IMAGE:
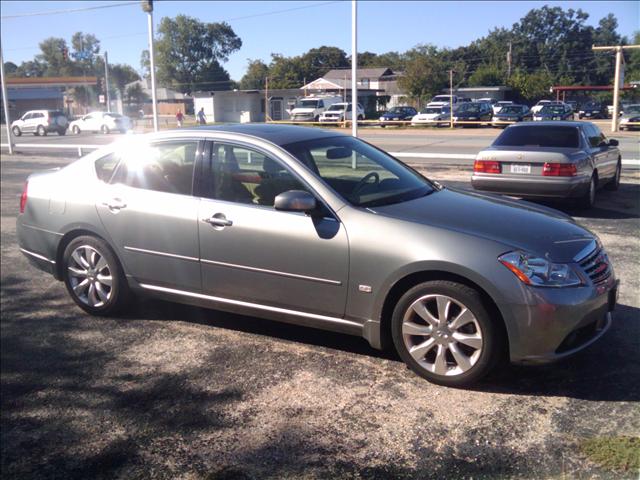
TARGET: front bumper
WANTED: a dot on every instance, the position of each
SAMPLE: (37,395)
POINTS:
(530,186)
(560,322)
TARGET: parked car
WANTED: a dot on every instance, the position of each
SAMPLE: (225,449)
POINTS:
(554,112)
(511,114)
(573,104)
(309,109)
(441,100)
(592,110)
(285,223)
(104,122)
(496,107)
(549,160)
(40,122)
(432,116)
(339,112)
(631,115)
(473,112)
(542,103)
(397,114)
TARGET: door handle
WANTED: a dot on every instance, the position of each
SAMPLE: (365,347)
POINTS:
(218,220)
(114,204)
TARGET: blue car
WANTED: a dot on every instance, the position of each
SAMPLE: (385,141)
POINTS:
(397,114)
(511,114)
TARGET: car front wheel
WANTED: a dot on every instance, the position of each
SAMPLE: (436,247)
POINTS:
(41,131)
(16,131)
(443,332)
(93,276)
(104,129)
(76,130)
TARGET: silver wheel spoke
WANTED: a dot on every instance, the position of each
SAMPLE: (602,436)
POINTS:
(422,311)
(105,279)
(91,295)
(461,359)
(104,296)
(81,287)
(410,328)
(419,351)
(80,260)
(463,318)
(443,309)
(440,365)
(76,272)
(102,263)
(93,258)
(473,340)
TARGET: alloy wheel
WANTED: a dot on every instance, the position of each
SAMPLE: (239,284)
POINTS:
(442,335)
(90,276)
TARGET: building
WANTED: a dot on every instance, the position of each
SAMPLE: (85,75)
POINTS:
(169,101)
(244,106)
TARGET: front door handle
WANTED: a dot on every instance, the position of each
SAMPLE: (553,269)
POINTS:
(115,204)
(218,220)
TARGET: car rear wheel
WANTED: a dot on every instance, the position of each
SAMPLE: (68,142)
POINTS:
(62,132)
(16,131)
(443,332)
(41,131)
(76,130)
(588,200)
(104,129)
(614,183)
(93,276)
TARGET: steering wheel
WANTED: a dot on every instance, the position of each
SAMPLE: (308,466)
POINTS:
(364,180)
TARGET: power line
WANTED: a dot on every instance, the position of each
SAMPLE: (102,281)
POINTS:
(281,11)
(69,10)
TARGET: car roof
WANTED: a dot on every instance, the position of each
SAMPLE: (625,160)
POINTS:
(551,123)
(277,134)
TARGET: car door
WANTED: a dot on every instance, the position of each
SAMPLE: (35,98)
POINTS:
(598,152)
(610,160)
(26,125)
(254,253)
(151,215)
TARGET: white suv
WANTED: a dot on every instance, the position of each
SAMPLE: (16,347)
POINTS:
(104,122)
(337,113)
(40,122)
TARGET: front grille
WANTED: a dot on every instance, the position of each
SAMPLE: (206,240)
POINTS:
(597,266)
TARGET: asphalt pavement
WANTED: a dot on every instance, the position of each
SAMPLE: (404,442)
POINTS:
(170,391)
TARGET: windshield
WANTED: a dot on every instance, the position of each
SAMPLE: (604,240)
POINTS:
(113,115)
(469,107)
(539,136)
(632,109)
(511,109)
(592,105)
(441,98)
(307,104)
(397,110)
(360,173)
(336,107)
(432,110)
(553,109)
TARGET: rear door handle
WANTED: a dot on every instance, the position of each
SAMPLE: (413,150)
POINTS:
(218,220)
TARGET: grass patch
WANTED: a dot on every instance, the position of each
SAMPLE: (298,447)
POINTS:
(617,453)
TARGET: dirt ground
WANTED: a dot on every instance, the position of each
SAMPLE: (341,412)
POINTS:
(170,391)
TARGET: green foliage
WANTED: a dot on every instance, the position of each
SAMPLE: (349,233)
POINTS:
(135,95)
(632,69)
(52,57)
(616,453)
(531,87)
(425,74)
(190,52)
(10,68)
(257,71)
(293,72)
(122,74)
(486,75)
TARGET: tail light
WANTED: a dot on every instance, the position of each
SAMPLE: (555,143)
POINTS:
(23,197)
(559,170)
(483,166)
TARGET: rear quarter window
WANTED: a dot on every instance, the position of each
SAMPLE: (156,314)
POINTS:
(105,166)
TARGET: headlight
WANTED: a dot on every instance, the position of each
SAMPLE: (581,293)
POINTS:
(538,271)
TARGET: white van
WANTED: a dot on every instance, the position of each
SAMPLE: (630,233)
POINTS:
(442,100)
(309,109)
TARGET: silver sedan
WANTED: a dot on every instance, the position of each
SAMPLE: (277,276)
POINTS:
(310,227)
(549,160)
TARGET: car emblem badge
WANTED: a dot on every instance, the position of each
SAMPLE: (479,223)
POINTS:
(364,288)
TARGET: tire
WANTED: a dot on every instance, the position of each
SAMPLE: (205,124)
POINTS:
(316,118)
(16,131)
(104,129)
(89,260)
(441,357)
(76,130)
(360,117)
(41,131)
(614,183)
(588,200)
(62,132)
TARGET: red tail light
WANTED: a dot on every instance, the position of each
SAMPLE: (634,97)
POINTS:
(23,197)
(559,170)
(483,166)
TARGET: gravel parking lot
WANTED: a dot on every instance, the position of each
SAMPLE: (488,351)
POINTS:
(171,391)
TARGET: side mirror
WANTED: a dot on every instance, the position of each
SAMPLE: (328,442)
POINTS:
(613,142)
(295,201)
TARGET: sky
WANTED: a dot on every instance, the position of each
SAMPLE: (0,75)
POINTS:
(289,27)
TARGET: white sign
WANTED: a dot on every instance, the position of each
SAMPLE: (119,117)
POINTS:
(101,98)
(622,75)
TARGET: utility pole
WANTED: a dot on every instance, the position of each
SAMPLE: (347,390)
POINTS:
(5,103)
(616,81)
(509,59)
(451,99)
(147,6)
(266,100)
(106,80)
(354,70)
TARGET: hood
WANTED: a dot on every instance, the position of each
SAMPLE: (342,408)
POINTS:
(469,114)
(303,110)
(393,115)
(513,223)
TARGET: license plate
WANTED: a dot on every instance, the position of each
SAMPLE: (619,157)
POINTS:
(520,168)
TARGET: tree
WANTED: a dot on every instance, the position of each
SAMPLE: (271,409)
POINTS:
(425,74)
(318,61)
(145,64)
(135,95)
(10,68)
(52,57)
(531,87)
(486,76)
(257,71)
(286,72)
(31,68)
(122,74)
(632,69)
(189,53)
(85,48)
